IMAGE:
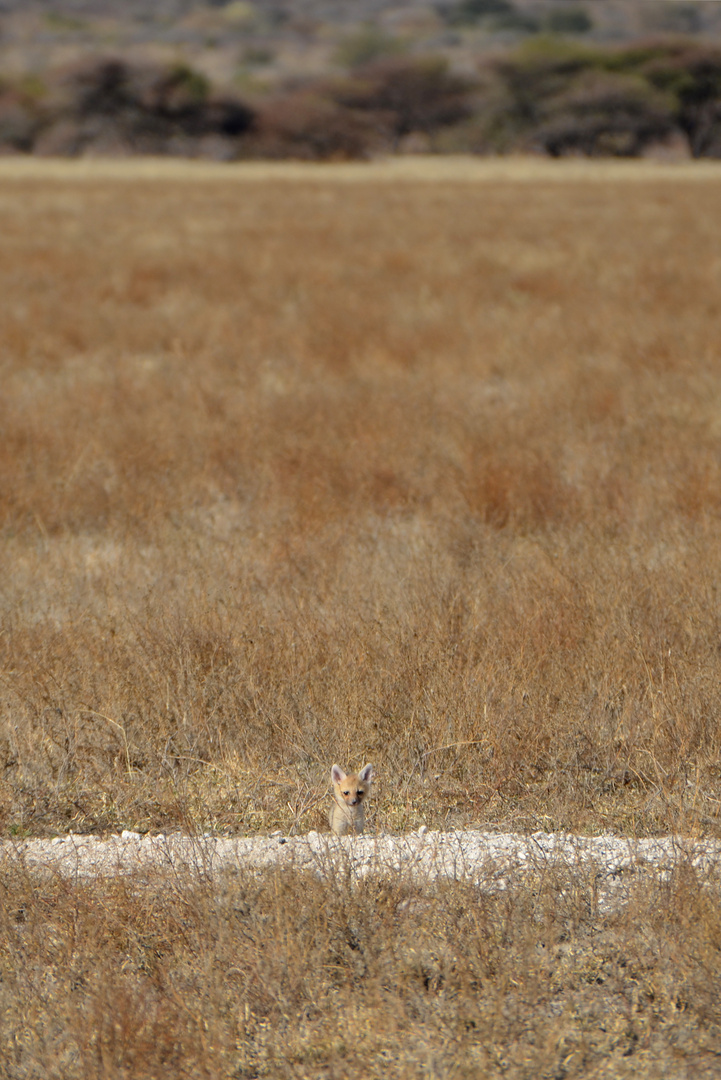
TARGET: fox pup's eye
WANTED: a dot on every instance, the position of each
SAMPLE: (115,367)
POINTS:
(346,793)
(360,794)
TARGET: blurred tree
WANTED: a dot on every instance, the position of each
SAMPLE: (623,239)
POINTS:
(19,119)
(565,98)
(306,124)
(568,20)
(137,108)
(692,74)
(366,45)
(469,12)
(672,18)
(603,113)
(517,21)
(408,95)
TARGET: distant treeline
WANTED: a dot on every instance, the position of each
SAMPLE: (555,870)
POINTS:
(549,96)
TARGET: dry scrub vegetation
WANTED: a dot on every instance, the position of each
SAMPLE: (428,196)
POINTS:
(425,474)
(237,978)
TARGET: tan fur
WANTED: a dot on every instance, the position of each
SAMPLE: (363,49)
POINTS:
(349,794)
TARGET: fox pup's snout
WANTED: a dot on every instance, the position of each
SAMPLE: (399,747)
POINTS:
(349,793)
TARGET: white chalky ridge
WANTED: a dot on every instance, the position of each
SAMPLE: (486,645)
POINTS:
(493,860)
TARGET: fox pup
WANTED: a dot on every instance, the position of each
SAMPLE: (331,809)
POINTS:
(349,794)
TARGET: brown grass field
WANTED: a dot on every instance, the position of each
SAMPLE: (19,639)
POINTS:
(424,473)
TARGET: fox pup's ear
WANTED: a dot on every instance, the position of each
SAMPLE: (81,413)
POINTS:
(337,775)
(366,774)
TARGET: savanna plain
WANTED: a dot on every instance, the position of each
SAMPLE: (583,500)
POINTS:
(423,473)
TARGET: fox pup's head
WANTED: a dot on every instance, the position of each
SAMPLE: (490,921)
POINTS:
(351,789)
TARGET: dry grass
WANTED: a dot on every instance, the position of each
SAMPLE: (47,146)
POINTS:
(381,978)
(422,474)
(433,168)
(425,475)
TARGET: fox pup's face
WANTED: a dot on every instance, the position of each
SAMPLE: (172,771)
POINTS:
(353,788)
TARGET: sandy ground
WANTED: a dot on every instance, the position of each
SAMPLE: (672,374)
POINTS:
(494,860)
